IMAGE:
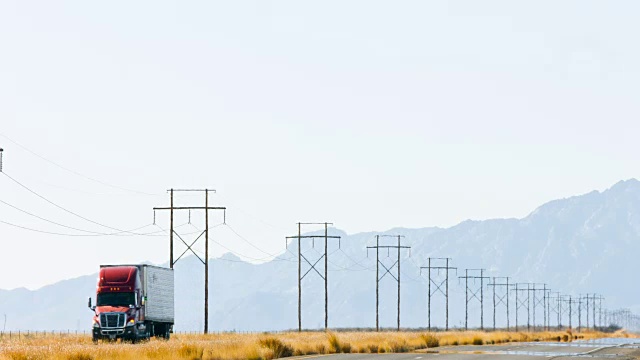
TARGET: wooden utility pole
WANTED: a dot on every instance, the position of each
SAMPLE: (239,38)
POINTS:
(388,271)
(301,257)
(474,294)
(205,232)
(171,232)
(437,287)
(521,303)
(500,299)
(539,301)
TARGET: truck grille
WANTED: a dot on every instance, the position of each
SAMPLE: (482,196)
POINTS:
(112,320)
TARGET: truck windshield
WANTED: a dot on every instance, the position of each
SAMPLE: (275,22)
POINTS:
(115,299)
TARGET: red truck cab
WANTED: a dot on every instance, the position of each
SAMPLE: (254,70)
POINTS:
(133,302)
(118,301)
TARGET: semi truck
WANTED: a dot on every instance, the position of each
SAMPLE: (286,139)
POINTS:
(133,302)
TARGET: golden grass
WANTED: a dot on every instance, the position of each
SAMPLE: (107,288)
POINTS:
(260,346)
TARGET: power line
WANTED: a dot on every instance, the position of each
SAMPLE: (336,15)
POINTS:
(247,241)
(66,234)
(277,258)
(75,172)
(95,233)
(65,209)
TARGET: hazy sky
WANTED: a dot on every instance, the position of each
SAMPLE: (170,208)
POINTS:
(370,114)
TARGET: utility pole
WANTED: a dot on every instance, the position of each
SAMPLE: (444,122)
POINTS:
(548,295)
(600,300)
(1,151)
(205,232)
(571,301)
(579,302)
(554,303)
(502,299)
(523,303)
(593,305)
(538,301)
(438,286)
(388,271)
(568,302)
(324,277)
(474,294)
(587,306)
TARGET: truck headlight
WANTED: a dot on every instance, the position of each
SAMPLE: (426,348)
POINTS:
(96,324)
(131,322)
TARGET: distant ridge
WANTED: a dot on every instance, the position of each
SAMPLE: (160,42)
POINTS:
(586,243)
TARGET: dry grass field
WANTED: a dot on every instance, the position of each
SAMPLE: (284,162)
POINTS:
(258,346)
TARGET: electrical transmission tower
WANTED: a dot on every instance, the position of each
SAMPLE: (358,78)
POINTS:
(539,301)
(205,232)
(587,297)
(572,302)
(567,308)
(554,301)
(476,293)
(438,283)
(502,298)
(548,295)
(591,306)
(324,277)
(600,299)
(523,303)
(388,271)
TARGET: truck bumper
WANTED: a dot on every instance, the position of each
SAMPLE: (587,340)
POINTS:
(114,333)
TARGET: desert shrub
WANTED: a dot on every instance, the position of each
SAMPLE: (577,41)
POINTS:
(373,348)
(399,347)
(277,347)
(334,342)
(477,340)
(455,343)
(17,355)
(79,356)
(189,351)
(430,340)
(345,348)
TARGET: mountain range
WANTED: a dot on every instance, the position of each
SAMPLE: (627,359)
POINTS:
(577,245)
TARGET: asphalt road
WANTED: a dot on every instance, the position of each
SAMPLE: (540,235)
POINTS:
(621,349)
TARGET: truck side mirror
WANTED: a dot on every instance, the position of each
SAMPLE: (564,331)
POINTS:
(89,303)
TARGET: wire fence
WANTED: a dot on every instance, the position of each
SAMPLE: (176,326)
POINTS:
(29,334)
